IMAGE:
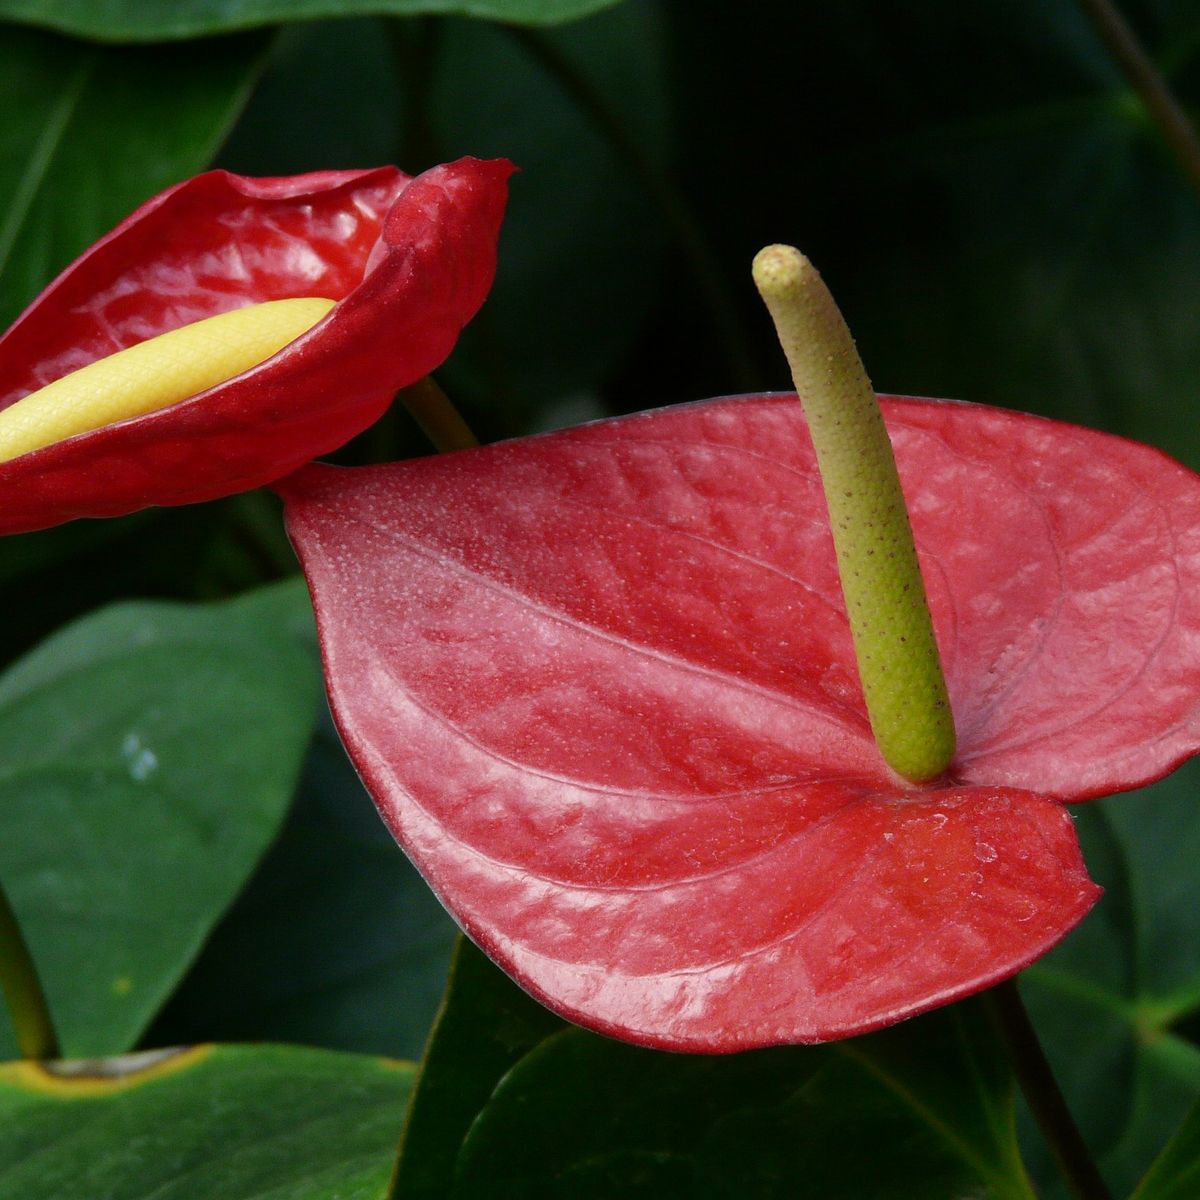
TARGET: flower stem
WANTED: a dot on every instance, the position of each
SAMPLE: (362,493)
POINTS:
(898,662)
(27,1005)
(1147,81)
(439,420)
(1043,1095)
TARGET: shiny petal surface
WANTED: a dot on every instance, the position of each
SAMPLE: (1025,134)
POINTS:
(601,686)
(408,260)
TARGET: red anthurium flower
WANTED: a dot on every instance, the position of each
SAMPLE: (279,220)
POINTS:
(601,685)
(406,263)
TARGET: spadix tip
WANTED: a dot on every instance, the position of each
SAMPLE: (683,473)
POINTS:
(780,269)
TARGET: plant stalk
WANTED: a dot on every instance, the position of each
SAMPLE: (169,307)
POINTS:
(1043,1095)
(439,420)
(27,1005)
(1148,82)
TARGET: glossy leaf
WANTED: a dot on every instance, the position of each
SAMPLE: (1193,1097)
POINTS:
(159,20)
(336,941)
(644,781)
(541,1110)
(149,753)
(210,1123)
(409,261)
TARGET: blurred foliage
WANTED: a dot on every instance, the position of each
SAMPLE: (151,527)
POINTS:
(978,184)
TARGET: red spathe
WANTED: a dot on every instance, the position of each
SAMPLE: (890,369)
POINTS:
(409,261)
(601,686)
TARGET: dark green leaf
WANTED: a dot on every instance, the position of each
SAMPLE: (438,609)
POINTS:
(213,1123)
(1176,1173)
(155,20)
(148,756)
(487,1024)
(582,1116)
(512,1103)
(337,941)
(90,133)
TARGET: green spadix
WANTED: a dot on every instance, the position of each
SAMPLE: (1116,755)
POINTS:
(898,661)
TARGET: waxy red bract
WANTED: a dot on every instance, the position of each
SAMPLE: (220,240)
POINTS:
(601,685)
(409,260)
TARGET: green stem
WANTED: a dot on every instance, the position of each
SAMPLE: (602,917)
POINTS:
(439,420)
(1042,1093)
(1147,81)
(27,1005)
(677,216)
(898,662)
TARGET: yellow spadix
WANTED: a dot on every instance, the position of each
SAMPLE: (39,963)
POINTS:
(155,373)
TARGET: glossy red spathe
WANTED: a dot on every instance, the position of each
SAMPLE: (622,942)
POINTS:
(602,688)
(409,261)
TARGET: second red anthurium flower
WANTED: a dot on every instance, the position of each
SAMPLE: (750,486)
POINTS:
(400,264)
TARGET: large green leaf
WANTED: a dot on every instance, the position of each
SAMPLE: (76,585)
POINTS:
(147,757)
(157,20)
(513,1103)
(584,1117)
(337,941)
(89,133)
(213,1123)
